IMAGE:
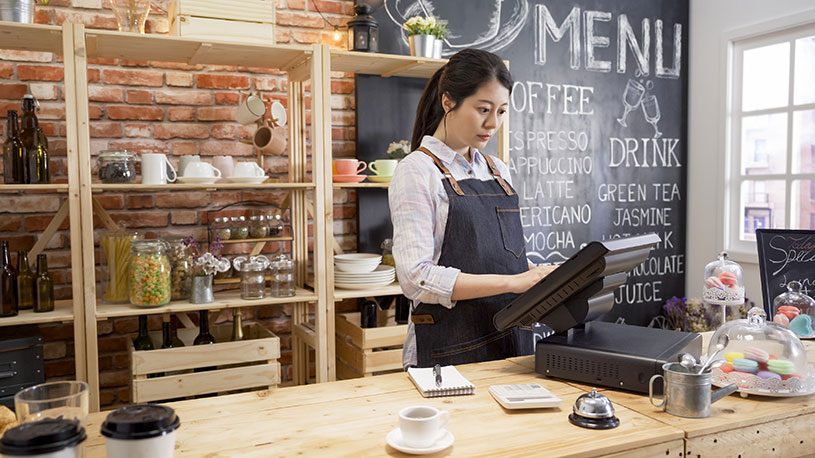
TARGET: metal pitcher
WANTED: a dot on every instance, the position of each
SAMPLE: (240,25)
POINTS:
(687,392)
(17,11)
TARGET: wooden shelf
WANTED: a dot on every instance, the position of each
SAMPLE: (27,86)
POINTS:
(384,64)
(138,187)
(165,48)
(361,185)
(224,300)
(390,290)
(265,239)
(63,311)
(31,37)
(58,187)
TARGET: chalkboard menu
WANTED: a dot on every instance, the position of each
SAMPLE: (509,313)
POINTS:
(598,124)
(784,256)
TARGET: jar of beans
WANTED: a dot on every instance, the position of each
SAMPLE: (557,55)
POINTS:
(240,230)
(257,227)
(150,284)
(219,229)
(180,269)
(275,224)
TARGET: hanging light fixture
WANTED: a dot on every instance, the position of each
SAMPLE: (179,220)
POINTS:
(363,30)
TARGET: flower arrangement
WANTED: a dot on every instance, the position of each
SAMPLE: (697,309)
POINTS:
(692,315)
(205,263)
(399,150)
(419,25)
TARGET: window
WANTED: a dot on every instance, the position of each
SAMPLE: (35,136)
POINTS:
(772,135)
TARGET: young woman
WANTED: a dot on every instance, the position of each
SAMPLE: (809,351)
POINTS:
(457,237)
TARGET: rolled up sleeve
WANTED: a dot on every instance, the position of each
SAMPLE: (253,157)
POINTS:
(413,214)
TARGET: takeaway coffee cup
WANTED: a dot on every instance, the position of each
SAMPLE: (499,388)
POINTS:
(349,166)
(141,431)
(201,169)
(383,167)
(250,110)
(421,426)
(248,169)
(49,438)
(154,169)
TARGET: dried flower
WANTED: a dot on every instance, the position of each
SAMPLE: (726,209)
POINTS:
(693,315)
(419,25)
(206,262)
(400,149)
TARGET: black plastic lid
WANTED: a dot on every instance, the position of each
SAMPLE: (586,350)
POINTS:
(141,421)
(44,436)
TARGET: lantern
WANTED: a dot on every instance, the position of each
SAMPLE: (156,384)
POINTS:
(363,30)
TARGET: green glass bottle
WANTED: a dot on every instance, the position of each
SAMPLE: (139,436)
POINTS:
(43,287)
(13,152)
(177,342)
(143,341)
(34,144)
(25,282)
(8,283)
(166,333)
(204,337)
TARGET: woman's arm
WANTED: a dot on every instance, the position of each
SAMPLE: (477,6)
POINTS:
(472,286)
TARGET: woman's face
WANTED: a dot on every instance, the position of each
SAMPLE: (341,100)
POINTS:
(478,117)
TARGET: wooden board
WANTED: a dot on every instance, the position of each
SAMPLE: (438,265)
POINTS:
(360,185)
(63,312)
(31,37)
(57,187)
(196,383)
(390,290)
(384,64)
(386,334)
(138,187)
(223,30)
(236,10)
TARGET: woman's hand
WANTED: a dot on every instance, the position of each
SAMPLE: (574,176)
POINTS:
(519,283)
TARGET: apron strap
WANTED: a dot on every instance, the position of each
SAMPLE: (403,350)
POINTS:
(444,171)
(497,175)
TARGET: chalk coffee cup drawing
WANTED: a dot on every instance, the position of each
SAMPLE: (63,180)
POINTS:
(225,164)
(156,169)
(185,161)
(141,431)
(349,166)
(270,140)
(248,169)
(383,167)
(422,426)
(250,110)
(201,169)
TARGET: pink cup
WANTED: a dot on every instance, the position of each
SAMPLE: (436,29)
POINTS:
(225,164)
(349,166)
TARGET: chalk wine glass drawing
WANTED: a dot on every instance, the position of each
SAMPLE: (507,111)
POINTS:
(650,108)
(492,31)
(637,95)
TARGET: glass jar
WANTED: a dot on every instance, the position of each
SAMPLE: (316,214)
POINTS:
(282,284)
(275,223)
(220,229)
(253,275)
(257,227)
(116,166)
(180,269)
(387,252)
(724,282)
(149,273)
(116,249)
(240,230)
(226,273)
(795,310)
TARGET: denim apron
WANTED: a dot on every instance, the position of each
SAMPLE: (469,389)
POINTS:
(483,236)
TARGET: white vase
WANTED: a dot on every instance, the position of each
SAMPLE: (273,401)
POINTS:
(422,45)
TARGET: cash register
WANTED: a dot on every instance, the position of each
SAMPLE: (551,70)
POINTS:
(570,300)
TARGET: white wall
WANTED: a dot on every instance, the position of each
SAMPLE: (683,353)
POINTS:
(710,23)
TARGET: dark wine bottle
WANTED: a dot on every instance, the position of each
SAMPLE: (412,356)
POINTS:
(143,341)
(237,325)
(402,309)
(25,282)
(8,283)
(367,316)
(34,144)
(13,152)
(204,337)
(177,343)
(43,287)
(166,333)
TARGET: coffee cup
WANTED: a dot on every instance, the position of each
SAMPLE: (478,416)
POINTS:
(421,426)
(225,164)
(383,167)
(270,140)
(248,169)
(349,166)
(250,110)
(201,169)
(156,169)
(48,438)
(185,160)
(141,431)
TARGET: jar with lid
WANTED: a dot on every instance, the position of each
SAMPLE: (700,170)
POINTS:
(116,249)
(282,284)
(253,275)
(220,229)
(240,230)
(795,310)
(116,166)
(180,269)
(257,227)
(149,273)
(275,223)
(226,273)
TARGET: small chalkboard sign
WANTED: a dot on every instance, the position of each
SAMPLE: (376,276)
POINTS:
(784,256)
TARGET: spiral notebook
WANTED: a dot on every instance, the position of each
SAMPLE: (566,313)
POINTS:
(453,383)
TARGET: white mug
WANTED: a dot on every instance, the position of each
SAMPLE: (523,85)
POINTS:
(225,164)
(383,167)
(250,110)
(248,169)
(154,169)
(201,169)
(185,160)
(421,426)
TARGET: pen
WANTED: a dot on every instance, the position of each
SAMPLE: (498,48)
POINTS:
(437,373)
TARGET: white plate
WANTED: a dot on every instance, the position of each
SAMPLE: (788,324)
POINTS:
(279,113)
(381,269)
(378,281)
(197,180)
(361,286)
(357,257)
(250,180)
(394,439)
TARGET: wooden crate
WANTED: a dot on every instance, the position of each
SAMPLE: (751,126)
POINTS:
(247,21)
(250,363)
(362,352)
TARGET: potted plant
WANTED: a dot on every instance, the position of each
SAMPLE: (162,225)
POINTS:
(398,150)
(205,264)
(426,35)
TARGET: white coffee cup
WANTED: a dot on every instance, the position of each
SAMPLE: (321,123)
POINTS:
(383,167)
(248,169)
(421,426)
(185,160)
(250,110)
(154,169)
(201,169)
(141,431)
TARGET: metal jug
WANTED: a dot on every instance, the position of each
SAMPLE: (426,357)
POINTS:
(687,392)
(17,11)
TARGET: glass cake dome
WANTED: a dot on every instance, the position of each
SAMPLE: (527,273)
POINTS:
(795,310)
(724,282)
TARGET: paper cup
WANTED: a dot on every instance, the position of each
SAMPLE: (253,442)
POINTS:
(49,438)
(141,431)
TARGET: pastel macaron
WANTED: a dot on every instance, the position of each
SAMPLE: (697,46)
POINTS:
(756,354)
(733,355)
(726,368)
(781,366)
(766,375)
(781,320)
(789,376)
(728,279)
(745,365)
(801,325)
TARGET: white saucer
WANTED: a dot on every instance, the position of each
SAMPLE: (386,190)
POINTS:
(394,439)
(197,180)
(380,179)
(250,180)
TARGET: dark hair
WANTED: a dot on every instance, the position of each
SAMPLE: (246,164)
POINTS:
(460,78)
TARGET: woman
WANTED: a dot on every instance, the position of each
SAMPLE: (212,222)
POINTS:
(457,236)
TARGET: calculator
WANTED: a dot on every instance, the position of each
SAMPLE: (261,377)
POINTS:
(524,396)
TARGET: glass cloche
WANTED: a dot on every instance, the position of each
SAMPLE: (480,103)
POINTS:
(724,282)
(761,357)
(795,310)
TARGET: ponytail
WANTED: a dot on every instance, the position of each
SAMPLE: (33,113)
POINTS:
(429,113)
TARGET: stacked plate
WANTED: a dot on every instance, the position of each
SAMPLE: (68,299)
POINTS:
(361,271)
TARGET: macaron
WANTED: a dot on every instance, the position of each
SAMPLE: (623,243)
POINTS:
(801,325)
(789,376)
(729,279)
(781,366)
(781,320)
(733,355)
(714,282)
(726,368)
(789,311)
(745,365)
(766,375)
(756,354)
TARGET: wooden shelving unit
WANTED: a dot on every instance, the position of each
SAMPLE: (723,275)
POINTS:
(63,312)
(264,239)
(360,185)
(138,187)
(34,187)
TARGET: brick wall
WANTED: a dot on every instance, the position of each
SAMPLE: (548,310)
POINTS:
(172,108)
